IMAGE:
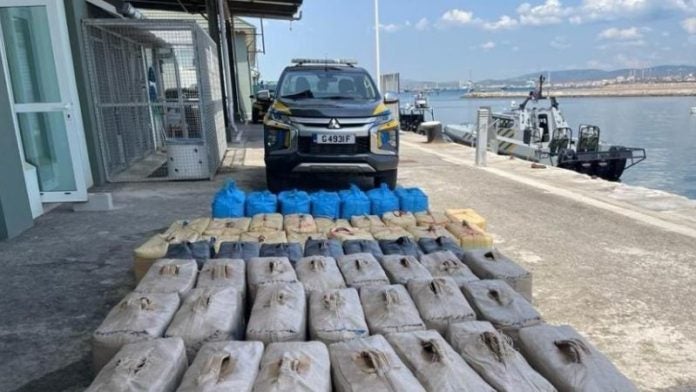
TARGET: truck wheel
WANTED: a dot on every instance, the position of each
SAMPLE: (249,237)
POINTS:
(275,182)
(386,177)
(254,116)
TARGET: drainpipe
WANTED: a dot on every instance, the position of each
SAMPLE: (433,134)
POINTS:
(226,66)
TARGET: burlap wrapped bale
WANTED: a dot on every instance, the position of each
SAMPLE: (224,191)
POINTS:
(264,237)
(367,222)
(136,318)
(391,233)
(470,236)
(268,270)
(362,246)
(224,366)
(239,250)
(401,246)
(349,233)
(324,225)
(295,366)
(224,273)
(266,222)
(279,313)
(153,365)
(299,223)
(227,226)
(403,219)
(491,264)
(400,269)
(569,361)
(208,315)
(497,302)
(302,238)
(336,315)
(169,276)
(319,273)
(327,248)
(490,353)
(370,364)
(441,244)
(447,264)
(293,251)
(435,363)
(390,309)
(440,302)
(362,269)
(431,231)
(430,218)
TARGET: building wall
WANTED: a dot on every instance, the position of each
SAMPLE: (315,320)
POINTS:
(244,80)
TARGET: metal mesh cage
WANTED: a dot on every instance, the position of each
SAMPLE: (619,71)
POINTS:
(157,96)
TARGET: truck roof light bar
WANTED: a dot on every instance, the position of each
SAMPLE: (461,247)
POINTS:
(348,62)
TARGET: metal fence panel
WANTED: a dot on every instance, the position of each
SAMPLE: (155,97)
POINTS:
(158,99)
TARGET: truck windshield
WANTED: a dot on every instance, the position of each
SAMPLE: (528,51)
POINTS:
(327,84)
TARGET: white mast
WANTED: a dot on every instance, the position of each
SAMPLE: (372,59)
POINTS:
(377,65)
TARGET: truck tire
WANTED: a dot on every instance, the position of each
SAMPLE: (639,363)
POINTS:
(254,116)
(386,177)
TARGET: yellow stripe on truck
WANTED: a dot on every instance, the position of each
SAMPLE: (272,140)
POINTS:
(280,107)
(379,109)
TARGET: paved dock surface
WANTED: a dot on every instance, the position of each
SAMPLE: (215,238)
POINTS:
(618,263)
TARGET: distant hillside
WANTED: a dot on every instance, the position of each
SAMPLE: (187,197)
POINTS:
(577,75)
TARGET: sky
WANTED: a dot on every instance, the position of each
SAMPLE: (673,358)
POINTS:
(447,40)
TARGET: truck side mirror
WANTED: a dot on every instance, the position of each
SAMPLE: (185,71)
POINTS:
(390,98)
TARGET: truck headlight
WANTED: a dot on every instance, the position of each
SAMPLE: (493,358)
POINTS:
(278,131)
(385,134)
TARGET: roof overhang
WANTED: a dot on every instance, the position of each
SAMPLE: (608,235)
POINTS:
(269,9)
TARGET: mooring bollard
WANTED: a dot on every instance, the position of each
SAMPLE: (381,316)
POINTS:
(483,116)
(433,131)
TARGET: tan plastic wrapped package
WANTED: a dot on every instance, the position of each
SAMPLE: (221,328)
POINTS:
(445,263)
(301,238)
(435,363)
(153,365)
(569,361)
(440,302)
(390,309)
(431,218)
(198,225)
(295,366)
(279,314)
(497,302)
(491,354)
(227,226)
(208,315)
(299,223)
(459,215)
(470,236)
(266,222)
(336,315)
(391,233)
(324,225)
(431,231)
(367,222)
(224,273)
(403,219)
(224,366)
(136,318)
(401,269)
(370,364)
(346,233)
(169,276)
(362,269)
(268,270)
(154,249)
(264,237)
(319,273)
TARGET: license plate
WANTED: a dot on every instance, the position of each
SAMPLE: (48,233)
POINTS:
(334,139)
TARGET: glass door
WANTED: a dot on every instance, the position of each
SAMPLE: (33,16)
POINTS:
(38,69)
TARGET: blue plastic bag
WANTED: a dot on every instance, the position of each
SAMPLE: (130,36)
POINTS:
(294,202)
(326,204)
(261,203)
(412,199)
(354,202)
(382,200)
(229,202)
